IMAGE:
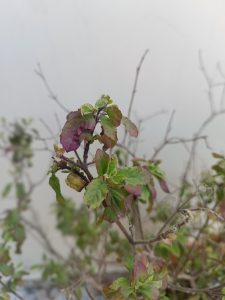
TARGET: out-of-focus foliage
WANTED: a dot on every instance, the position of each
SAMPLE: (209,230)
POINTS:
(123,243)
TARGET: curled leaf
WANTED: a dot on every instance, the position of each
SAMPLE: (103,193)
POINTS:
(164,186)
(55,185)
(133,189)
(74,127)
(130,127)
(75,182)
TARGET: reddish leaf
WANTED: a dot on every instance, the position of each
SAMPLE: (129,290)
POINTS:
(140,267)
(130,127)
(75,125)
(133,189)
(108,143)
(128,201)
(164,185)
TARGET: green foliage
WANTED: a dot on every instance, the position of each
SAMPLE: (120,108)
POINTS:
(55,184)
(96,193)
(118,192)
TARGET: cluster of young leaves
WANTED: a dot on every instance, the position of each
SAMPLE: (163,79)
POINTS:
(144,281)
(114,188)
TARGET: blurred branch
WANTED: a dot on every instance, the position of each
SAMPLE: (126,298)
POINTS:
(134,89)
(51,95)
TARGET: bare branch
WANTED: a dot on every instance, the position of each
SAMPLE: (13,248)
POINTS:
(51,95)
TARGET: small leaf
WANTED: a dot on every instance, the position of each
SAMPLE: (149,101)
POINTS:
(103,101)
(114,114)
(96,193)
(59,151)
(130,127)
(87,109)
(6,190)
(102,161)
(112,166)
(133,189)
(55,184)
(164,185)
(75,182)
(109,215)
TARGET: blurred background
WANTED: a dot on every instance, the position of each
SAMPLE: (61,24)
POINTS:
(89,48)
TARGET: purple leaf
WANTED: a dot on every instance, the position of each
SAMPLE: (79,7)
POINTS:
(133,189)
(140,267)
(164,185)
(153,192)
(128,201)
(75,125)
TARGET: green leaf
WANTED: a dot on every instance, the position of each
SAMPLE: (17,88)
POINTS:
(112,166)
(102,161)
(96,192)
(87,109)
(55,185)
(114,114)
(117,198)
(130,127)
(156,171)
(75,182)
(121,282)
(145,194)
(109,215)
(108,128)
(6,190)
(131,175)
(6,270)
(103,101)
(129,263)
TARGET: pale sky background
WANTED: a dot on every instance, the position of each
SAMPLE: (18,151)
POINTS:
(92,47)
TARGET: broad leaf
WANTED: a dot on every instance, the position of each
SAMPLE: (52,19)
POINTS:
(96,193)
(75,125)
(55,184)
(108,128)
(131,175)
(114,114)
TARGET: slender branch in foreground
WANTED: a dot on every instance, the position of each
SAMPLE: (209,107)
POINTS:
(10,290)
